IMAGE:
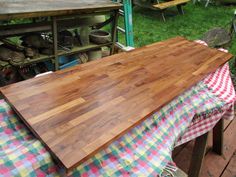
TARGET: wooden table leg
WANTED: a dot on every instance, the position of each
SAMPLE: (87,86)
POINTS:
(218,137)
(114,31)
(180,9)
(163,15)
(55,42)
(199,151)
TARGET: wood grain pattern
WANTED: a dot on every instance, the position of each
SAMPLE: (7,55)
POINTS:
(78,111)
(11,9)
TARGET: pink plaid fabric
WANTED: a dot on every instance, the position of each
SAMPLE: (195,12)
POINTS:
(201,125)
(221,85)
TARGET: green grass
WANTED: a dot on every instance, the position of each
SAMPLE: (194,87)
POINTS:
(149,26)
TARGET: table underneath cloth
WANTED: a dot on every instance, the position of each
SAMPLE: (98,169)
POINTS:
(145,150)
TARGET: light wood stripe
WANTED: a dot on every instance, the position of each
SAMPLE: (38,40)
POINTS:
(96,111)
(55,111)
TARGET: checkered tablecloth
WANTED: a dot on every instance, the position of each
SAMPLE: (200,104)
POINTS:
(144,151)
(220,84)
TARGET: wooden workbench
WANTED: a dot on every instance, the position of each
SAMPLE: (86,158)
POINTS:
(62,14)
(13,9)
(78,111)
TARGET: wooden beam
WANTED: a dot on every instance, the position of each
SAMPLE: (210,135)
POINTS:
(199,151)
(218,137)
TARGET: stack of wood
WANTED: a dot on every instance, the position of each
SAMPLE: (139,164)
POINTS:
(31,46)
(34,44)
(11,52)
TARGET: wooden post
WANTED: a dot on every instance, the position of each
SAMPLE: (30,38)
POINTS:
(54,34)
(163,15)
(218,137)
(114,30)
(199,151)
(180,9)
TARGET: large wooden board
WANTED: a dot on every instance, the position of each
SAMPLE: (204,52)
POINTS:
(78,111)
(10,9)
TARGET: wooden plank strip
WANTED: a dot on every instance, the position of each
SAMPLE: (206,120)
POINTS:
(230,170)
(57,110)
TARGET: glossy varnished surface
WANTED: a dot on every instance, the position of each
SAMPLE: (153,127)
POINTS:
(10,9)
(78,111)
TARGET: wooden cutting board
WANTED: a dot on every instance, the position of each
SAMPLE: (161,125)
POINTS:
(79,111)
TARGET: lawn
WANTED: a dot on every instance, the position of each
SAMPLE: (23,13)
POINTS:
(149,26)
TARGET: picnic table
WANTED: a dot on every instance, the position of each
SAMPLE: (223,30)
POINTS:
(135,132)
(162,5)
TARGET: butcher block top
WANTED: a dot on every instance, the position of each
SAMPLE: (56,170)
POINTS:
(10,9)
(78,111)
